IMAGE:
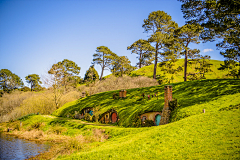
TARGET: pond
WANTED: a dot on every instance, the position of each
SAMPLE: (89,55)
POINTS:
(15,148)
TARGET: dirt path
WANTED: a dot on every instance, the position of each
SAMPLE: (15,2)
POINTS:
(80,121)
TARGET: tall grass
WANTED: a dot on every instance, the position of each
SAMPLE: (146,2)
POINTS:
(9,102)
(115,83)
(178,77)
(21,103)
(191,93)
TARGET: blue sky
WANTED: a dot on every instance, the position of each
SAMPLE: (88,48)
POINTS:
(35,34)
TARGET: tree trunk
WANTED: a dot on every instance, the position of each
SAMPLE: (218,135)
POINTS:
(140,59)
(31,86)
(185,66)
(238,76)
(155,62)
(101,73)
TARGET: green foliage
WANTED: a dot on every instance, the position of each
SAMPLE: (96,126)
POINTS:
(231,107)
(191,134)
(63,71)
(168,67)
(173,104)
(202,66)
(91,74)
(161,26)
(148,123)
(36,125)
(9,80)
(220,19)
(231,67)
(88,117)
(58,129)
(26,117)
(25,89)
(187,94)
(145,51)
(33,80)
(121,65)
(63,74)
(189,33)
(104,58)
(164,77)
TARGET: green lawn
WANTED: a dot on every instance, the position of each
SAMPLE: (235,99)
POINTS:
(215,74)
(191,134)
(195,95)
(212,135)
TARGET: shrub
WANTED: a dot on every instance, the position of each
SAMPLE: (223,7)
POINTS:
(147,123)
(36,125)
(58,129)
(116,83)
(88,117)
(173,104)
(26,116)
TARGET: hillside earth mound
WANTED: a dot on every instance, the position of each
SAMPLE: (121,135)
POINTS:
(193,97)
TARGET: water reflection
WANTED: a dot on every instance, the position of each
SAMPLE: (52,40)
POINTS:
(14,148)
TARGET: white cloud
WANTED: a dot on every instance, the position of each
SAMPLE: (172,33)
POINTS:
(207,50)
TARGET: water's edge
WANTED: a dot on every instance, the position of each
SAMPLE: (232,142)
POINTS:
(16,148)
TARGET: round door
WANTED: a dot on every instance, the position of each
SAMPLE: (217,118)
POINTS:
(157,119)
(114,117)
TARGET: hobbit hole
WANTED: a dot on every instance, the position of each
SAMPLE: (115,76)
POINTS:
(114,117)
(156,117)
(110,116)
(153,116)
(160,118)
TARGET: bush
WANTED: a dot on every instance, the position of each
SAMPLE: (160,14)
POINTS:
(18,104)
(88,117)
(137,123)
(116,83)
(58,129)
(173,104)
(36,125)
(147,123)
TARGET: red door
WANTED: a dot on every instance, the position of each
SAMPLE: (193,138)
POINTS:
(114,117)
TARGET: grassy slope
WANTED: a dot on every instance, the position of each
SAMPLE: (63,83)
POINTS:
(191,135)
(194,135)
(205,136)
(197,95)
(148,71)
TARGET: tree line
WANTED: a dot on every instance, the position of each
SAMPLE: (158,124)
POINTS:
(207,20)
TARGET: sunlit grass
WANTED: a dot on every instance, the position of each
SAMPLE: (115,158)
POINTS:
(205,136)
(191,134)
(178,77)
(188,94)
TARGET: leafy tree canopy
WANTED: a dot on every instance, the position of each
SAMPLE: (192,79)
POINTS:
(91,74)
(189,33)
(62,73)
(145,51)
(161,26)
(122,65)
(220,19)
(33,80)
(104,57)
(9,80)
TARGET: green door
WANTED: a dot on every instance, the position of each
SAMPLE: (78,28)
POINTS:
(157,119)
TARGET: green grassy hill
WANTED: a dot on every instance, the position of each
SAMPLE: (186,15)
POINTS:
(205,136)
(148,71)
(191,134)
(192,97)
